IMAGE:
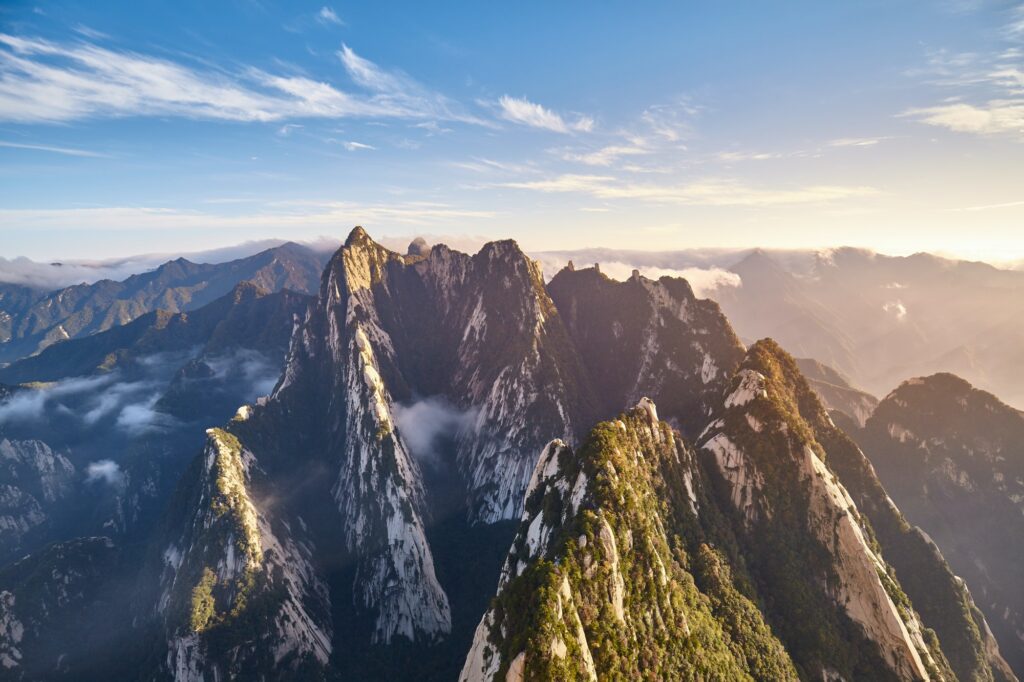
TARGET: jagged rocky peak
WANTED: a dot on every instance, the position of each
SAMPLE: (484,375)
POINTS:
(644,337)
(599,582)
(478,330)
(229,562)
(804,493)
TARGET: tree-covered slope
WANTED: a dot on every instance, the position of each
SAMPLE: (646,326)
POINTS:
(610,578)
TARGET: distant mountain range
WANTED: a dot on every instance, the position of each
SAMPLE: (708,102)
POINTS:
(878,319)
(31,319)
(126,408)
(449,466)
(953,458)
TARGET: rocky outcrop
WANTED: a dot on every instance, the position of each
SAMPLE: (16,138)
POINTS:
(241,575)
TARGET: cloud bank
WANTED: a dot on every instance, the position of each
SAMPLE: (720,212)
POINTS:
(104,471)
(704,281)
(425,424)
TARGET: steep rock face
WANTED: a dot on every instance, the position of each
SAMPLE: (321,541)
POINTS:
(515,365)
(810,493)
(598,583)
(777,480)
(33,478)
(835,391)
(343,355)
(648,338)
(239,595)
(953,458)
(479,330)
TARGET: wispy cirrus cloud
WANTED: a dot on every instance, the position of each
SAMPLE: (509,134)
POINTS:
(856,141)
(607,155)
(47,82)
(327,15)
(989,87)
(398,92)
(354,146)
(711,192)
(524,112)
(66,151)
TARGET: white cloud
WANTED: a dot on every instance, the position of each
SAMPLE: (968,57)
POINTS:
(67,151)
(711,192)
(608,155)
(31,404)
(397,92)
(254,373)
(424,424)
(356,146)
(704,281)
(989,87)
(523,111)
(43,81)
(1014,28)
(106,471)
(141,417)
(671,122)
(896,309)
(326,15)
(991,118)
(856,141)
(747,156)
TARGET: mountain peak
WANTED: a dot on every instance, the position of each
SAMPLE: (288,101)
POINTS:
(246,291)
(358,236)
(503,248)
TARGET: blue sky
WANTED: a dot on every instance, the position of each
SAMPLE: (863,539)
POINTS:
(179,126)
